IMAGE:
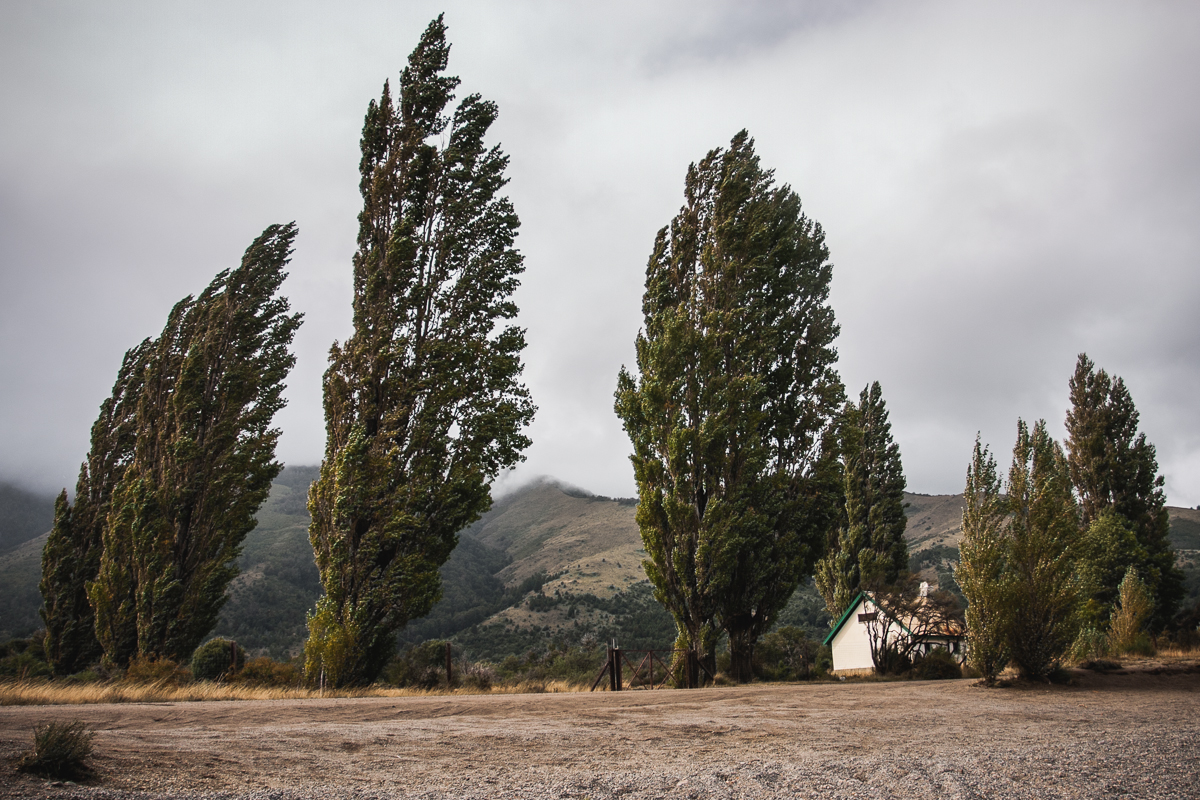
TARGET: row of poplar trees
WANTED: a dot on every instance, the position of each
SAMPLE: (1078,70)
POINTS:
(1070,537)
(423,408)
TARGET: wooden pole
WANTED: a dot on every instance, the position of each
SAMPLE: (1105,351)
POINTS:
(449,668)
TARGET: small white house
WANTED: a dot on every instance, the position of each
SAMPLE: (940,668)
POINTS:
(850,639)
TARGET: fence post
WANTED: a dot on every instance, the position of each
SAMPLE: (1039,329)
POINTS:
(617,665)
(449,668)
(612,671)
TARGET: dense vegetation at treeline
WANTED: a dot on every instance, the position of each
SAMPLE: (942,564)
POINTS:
(753,471)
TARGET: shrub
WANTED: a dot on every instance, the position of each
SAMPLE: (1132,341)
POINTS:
(936,665)
(264,671)
(157,670)
(422,665)
(60,750)
(786,654)
(1090,645)
(217,658)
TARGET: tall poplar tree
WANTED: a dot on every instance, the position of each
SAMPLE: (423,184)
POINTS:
(1115,469)
(1043,589)
(868,549)
(423,404)
(71,557)
(982,565)
(730,413)
(202,459)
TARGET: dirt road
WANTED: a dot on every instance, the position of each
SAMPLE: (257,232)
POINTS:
(1111,736)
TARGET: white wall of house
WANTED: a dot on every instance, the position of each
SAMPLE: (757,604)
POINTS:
(852,644)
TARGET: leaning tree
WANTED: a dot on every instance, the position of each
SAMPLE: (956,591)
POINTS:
(423,403)
(181,458)
(202,462)
(730,412)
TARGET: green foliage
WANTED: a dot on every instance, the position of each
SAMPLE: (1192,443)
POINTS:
(936,665)
(806,609)
(279,583)
(1129,618)
(983,556)
(72,555)
(1115,469)
(60,750)
(265,671)
(787,654)
(156,670)
(1043,591)
(1106,551)
(23,658)
(729,417)
(868,550)
(422,665)
(180,459)
(217,658)
(423,404)
(1090,646)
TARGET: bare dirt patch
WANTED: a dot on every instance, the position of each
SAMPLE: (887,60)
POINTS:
(1113,735)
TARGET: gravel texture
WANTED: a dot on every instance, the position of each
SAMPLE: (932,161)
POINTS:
(1109,736)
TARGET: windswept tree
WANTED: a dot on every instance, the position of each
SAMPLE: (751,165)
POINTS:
(423,404)
(1115,469)
(71,557)
(730,413)
(201,460)
(868,549)
(1044,591)
(982,565)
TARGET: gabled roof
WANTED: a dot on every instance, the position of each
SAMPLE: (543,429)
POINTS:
(849,610)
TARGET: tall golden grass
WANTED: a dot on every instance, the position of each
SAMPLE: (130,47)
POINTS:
(50,693)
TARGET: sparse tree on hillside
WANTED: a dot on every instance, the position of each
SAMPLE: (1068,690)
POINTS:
(71,558)
(982,564)
(868,549)
(423,404)
(729,416)
(1114,467)
(202,459)
(1043,532)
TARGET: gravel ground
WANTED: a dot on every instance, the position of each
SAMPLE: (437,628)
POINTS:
(1109,736)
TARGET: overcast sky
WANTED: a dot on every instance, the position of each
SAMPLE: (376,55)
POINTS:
(1003,185)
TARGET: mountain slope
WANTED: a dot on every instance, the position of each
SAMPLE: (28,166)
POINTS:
(23,515)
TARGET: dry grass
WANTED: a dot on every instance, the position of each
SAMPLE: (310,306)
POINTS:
(49,693)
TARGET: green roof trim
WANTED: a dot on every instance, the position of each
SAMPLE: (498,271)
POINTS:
(842,621)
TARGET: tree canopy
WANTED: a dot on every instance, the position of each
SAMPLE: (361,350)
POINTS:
(182,456)
(868,549)
(731,411)
(423,404)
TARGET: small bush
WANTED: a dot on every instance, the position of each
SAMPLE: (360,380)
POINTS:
(162,671)
(60,750)
(936,665)
(1091,644)
(265,671)
(216,659)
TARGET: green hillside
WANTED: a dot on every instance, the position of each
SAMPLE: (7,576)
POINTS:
(23,515)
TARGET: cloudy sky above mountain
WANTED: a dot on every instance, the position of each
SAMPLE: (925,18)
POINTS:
(1003,185)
